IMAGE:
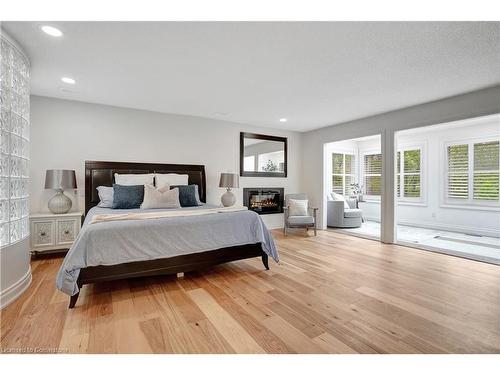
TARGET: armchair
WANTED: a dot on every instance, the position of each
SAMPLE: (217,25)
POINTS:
(343,214)
(295,221)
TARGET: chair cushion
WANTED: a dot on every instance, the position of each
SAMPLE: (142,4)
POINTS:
(300,220)
(353,212)
(339,197)
(297,207)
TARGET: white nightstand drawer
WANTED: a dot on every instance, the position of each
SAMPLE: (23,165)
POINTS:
(66,231)
(43,233)
(54,232)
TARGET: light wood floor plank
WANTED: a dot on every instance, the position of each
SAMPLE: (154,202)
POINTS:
(331,293)
(234,334)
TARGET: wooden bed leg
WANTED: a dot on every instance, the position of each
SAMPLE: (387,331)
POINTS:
(72,300)
(265,261)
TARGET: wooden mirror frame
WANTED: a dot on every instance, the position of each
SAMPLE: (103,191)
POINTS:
(244,173)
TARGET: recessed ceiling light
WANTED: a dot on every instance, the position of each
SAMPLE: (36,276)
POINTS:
(71,81)
(283,120)
(52,31)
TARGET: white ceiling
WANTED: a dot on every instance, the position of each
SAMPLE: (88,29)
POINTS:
(313,73)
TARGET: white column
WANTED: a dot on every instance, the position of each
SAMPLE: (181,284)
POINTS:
(387,207)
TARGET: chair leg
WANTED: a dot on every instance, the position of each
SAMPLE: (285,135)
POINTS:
(315,231)
(284,230)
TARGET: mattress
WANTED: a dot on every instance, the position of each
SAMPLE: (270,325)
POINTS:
(116,242)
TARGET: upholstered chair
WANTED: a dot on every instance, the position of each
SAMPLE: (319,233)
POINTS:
(342,213)
(299,221)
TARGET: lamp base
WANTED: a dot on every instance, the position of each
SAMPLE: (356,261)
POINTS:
(60,203)
(228,198)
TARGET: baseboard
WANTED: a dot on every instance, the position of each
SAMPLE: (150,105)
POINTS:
(458,254)
(453,228)
(447,227)
(10,294)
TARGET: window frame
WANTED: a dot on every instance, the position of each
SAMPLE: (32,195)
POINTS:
(344,174)
(423,180)
(363,175)
(470,202)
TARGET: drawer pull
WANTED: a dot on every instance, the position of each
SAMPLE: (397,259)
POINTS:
(42,233)
(66,231)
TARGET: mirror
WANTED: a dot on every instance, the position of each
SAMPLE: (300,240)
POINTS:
(262,155)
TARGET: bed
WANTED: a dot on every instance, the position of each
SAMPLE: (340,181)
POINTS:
(167,245)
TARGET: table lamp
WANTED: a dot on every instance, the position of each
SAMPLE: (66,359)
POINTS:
(60,180)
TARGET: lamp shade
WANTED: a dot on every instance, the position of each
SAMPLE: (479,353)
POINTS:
(229,180)
(60,179)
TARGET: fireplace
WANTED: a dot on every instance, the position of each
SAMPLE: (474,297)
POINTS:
(264,200)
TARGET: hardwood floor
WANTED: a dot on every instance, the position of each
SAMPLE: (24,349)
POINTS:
(331,294)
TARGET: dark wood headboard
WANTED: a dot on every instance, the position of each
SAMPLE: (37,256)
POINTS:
(102,173)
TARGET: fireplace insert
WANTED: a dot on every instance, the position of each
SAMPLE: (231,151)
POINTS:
(264,200)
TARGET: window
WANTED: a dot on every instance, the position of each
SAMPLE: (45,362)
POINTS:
(271,162)
(473,172)
(458,171)
(343,173)
(486,171)
(249,163)
(373,174)
(409,169)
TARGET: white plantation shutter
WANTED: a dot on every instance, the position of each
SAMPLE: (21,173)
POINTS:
(409,174)
(337,173)
(398,174)
(486,171)
(373,173)
(458,171)
(343,173)
(350,170)
(411,171)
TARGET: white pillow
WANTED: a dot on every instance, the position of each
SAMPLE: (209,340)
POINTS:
(171,179)
(160,198)
(105,196)
(340,197)
(134,179)
(297,207)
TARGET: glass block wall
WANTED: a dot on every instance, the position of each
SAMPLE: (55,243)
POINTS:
(14,143)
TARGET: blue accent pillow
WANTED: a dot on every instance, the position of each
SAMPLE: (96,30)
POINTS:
(127,196)
(187,195)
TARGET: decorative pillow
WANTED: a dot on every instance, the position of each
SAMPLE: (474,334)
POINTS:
(297,207)
(162,179)
(187,195)
(160,198)
(134,179)
(339,197)
(127,196)
(105,196)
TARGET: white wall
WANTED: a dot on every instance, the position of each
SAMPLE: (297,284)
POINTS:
(433,211)
(478,103)
(66,133)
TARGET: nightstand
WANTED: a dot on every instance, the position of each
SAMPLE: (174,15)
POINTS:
(54,233)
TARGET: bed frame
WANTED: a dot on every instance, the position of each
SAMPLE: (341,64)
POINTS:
(101,173)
